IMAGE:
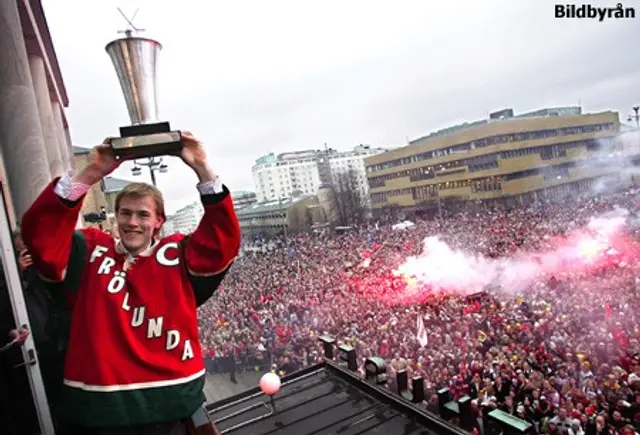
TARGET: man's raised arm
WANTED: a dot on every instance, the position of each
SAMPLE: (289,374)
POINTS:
(213,246)
(48,225)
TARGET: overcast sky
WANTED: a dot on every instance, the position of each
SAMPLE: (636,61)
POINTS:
(253,77)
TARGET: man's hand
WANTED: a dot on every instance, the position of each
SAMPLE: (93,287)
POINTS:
(24,260)
(195,156)
(102,162)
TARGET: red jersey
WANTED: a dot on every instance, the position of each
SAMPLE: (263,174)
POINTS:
(134,355)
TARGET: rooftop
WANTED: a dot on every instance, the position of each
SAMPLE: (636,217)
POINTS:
(37,38)
(114,185)
(325,399)
(241,193)
(292,156)
(504,115)
(196,205)
(80,150)
(274,205)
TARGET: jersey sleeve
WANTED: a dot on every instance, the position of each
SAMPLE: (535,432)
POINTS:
(48,228)
(213,246)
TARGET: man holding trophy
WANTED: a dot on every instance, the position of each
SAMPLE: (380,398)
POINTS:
(134,362)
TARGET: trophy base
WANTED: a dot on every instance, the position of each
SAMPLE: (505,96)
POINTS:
(146,140)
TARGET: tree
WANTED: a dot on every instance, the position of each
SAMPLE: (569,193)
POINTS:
(351,202)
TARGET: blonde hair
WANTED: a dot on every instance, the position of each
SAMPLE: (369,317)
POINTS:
(141,190)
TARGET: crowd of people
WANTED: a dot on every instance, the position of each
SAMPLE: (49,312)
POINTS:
(563,355)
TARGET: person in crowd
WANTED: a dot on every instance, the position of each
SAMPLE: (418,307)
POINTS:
(134,361)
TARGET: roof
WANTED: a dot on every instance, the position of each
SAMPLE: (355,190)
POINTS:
(540,113)
(43,26)
(274,205)
(114,185)
(80,150)
(242,193)
(325,399)
(38,42)
(450,143)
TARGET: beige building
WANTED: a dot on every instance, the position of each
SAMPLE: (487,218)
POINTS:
(280,217)
(34,132)
(102,196)
(504,160)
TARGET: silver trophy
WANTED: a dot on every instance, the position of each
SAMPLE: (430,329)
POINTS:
(135,60)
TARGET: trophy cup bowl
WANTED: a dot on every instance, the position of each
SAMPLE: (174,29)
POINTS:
(136,60)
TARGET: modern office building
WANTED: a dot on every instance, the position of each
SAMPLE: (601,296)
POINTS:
(305,171)
(504,160)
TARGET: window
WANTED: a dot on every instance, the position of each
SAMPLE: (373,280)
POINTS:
(494,140)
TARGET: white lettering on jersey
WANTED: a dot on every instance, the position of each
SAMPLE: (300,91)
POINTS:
(154,329)
(187,351)
(173,339)
(155,325)
(161,256)
(138,316)
(125,302)
(97,252)
(106,265)
(117,282)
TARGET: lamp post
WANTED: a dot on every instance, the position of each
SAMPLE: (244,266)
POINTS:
(153,163)
(635,117)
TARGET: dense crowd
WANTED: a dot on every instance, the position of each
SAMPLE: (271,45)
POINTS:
(564,354)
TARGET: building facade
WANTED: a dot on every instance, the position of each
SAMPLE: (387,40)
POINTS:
(101,197)
(280,217)
(305,171)
(35,147)
(35,141)
(279,176)
(242,199)
(348,171)
(505,160)
(185,220)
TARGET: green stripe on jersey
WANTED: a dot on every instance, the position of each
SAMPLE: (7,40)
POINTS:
(130,408)
(77,260)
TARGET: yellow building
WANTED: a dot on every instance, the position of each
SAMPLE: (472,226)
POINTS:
(505,160)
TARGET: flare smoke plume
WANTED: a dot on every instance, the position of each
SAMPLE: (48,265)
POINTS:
(600,244)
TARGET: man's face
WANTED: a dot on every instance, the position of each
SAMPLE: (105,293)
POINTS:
(137,220)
